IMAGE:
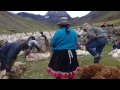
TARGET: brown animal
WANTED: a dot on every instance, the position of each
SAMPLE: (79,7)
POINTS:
(109,73)
(99,72)
(87,72)
(98,77)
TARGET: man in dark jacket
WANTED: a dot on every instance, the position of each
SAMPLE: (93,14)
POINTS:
(96,38)
(9,52)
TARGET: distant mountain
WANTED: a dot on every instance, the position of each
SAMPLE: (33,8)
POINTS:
(13,23)
(97,16)
(33,16)
(53,14)
(50,17)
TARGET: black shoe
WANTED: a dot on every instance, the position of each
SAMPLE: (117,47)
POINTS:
(97,59)
(1,69)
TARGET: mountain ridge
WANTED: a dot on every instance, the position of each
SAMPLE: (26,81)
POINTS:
(13,23)
(91,17)
(50,17)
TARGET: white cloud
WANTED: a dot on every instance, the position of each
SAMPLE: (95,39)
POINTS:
(34,12)
(71,13)
(77,13)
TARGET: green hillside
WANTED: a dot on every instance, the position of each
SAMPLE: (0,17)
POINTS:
(12,23)
(98,16)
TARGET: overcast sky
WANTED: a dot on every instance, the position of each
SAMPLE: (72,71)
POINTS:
(71,13)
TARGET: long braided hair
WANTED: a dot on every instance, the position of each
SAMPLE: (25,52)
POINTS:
(65,26)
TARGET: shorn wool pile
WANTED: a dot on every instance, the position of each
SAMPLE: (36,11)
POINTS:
(97,71)
(37,56)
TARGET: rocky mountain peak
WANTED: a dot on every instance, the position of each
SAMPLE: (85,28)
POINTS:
(57,14)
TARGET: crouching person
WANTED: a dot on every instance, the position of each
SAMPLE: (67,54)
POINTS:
(33,44)
(96,38)
(116,45)
(8,54)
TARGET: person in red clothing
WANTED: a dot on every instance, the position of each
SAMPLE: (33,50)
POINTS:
(118,42)
(117,45)
(105,24)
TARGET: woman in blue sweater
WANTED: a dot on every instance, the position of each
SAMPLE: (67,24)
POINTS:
(64,63)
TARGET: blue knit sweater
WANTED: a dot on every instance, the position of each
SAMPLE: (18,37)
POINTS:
(63,41)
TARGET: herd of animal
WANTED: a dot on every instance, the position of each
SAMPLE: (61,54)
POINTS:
(86,72)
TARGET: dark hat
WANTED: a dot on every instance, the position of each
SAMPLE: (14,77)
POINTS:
(32,38)
(63,21)
(24,45)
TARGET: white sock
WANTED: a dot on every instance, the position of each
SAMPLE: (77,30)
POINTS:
(96,55)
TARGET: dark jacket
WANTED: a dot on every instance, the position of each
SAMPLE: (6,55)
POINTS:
(10,51)
(94,33)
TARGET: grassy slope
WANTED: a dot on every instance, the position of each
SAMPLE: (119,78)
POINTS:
(109,22)
(99,23)
(10,21)
(108,16)
(36,70)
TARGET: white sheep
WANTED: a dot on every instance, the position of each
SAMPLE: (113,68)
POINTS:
(82,52)
(112,52)
(118,51)
(3,75)
(115,53)
(16,70)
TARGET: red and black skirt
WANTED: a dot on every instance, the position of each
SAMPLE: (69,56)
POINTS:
(63,64)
